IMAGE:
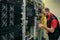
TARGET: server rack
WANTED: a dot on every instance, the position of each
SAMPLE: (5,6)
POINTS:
(10,24)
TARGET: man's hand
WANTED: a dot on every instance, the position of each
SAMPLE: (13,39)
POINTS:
(46,28)
(40,25)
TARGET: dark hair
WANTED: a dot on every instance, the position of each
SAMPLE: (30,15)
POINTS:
(47,9)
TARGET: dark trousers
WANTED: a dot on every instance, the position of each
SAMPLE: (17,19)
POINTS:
(53,39)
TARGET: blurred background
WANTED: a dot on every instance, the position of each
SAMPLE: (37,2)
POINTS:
(54,6)
(19,18)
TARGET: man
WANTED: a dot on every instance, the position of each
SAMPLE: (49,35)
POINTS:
(52,25)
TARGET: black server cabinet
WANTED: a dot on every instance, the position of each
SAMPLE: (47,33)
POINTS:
(10,20)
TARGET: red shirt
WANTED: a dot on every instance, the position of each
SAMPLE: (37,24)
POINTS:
(54,21)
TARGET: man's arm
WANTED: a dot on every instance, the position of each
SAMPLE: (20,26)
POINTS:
(51,30)
(53,26)
(46,28)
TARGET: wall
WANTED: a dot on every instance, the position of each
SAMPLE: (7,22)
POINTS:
(54,6)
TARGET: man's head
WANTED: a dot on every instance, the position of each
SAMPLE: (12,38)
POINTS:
(46,11)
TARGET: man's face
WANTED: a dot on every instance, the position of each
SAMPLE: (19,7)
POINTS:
(45,12)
